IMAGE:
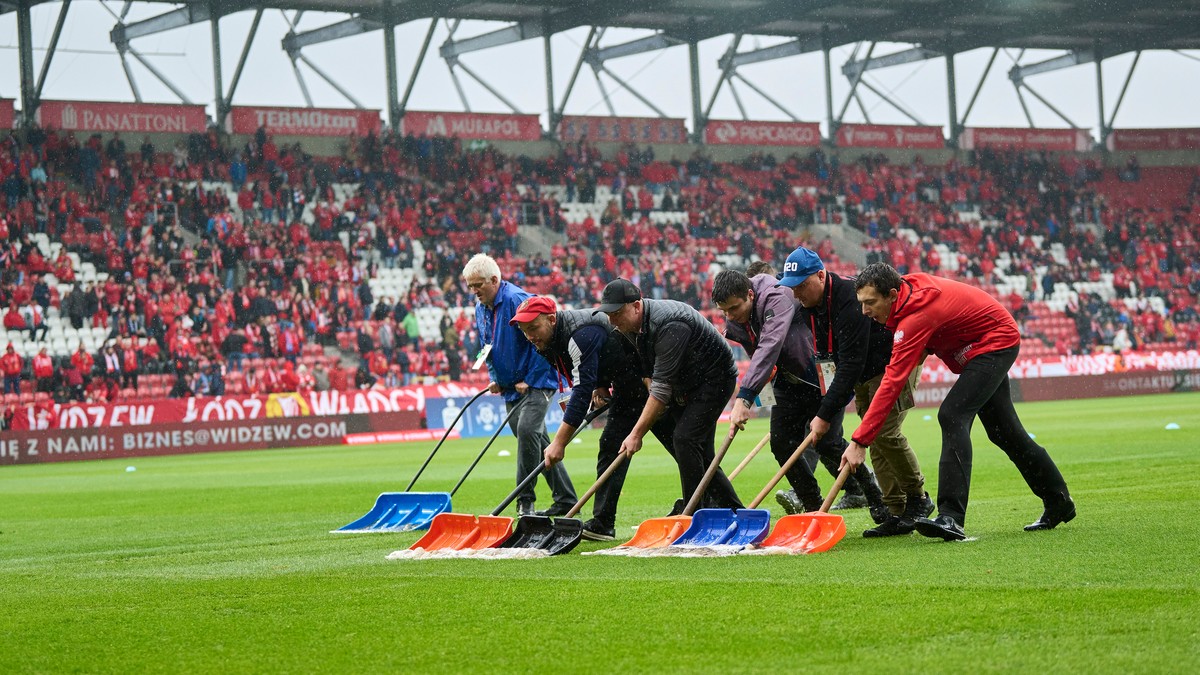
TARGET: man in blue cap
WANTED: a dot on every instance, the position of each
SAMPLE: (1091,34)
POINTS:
(852,354)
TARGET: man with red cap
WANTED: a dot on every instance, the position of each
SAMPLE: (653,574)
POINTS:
(977,338)
(594,366)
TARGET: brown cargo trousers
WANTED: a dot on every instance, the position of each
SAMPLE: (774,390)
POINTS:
(894,461)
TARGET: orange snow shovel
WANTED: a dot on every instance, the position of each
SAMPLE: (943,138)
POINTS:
(461,531)
(661,532)
(811,532)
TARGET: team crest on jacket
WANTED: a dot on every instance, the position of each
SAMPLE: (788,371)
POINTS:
(898,337)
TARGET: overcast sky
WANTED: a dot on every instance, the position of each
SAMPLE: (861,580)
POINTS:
(1163,92)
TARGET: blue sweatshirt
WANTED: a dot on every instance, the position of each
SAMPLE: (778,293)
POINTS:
(513,358)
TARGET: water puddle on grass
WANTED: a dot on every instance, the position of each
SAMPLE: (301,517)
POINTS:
(477,554)
(670,552)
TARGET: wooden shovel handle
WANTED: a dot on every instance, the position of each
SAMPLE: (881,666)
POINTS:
(616,463)
(761,444)
(708,475)
(787,466)
(837,487)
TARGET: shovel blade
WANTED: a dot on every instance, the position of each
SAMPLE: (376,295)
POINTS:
(461,531)
(807,532)
(726,527)
(659,532)
(400,512)
(558,535)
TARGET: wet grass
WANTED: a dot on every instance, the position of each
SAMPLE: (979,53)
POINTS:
(223,563)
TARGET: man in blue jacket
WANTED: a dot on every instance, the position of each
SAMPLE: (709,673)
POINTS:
(517,373)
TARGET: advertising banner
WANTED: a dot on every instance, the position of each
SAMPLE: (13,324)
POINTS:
(1057,140)
(481,418)
(483,126)
(1154,139)
(623,129)
(737,132)
(303,121)
(228,408)
(889,136)
(60,445)
(123,117)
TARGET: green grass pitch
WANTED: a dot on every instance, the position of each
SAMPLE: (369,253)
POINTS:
(223,563)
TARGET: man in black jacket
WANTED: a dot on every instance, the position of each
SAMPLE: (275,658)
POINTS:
(762,318)
(853,352)
(692,376)
(598,366)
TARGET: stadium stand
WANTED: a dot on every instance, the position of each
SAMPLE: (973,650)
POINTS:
(254,256)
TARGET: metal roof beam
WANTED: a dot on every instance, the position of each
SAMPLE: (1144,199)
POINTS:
(853,68)
(651,43)
(1074,57)
(515,33)
(780,51)
(121,34)
(356,25)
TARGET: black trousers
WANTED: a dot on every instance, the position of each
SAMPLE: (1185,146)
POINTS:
(795,406)
(983,391)
(623,414)
(694,424)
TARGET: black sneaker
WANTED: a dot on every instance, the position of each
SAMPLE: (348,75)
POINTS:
(892,527)
(525,508)
(916,508)
(1062,512)
(943,527)
(789,501)
(594,530)
(556,510)
(879,513)
(677,509)
(849,501)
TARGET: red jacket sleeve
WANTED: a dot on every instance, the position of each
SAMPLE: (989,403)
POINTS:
(908,350)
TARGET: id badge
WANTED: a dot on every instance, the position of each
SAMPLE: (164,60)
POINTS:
(563,399)
(826,370)
(767,395)
(483,355)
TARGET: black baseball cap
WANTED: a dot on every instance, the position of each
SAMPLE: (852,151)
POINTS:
(616,295)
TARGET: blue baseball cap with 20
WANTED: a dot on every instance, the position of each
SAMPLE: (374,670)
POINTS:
(800,265)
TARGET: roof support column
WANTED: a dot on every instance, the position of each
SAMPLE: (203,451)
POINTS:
(1100,98)
(831,130)
(548,57)
(952,97)
(29,102)
(389,55)
(698,119)
(214,24)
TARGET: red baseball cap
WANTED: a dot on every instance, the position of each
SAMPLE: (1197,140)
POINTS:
(532,308)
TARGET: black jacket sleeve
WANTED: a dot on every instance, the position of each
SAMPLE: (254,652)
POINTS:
(851,335)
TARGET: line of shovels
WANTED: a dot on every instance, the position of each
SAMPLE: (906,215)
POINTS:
(801,533)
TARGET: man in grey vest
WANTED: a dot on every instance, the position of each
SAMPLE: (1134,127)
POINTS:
(596,365)
(692,377)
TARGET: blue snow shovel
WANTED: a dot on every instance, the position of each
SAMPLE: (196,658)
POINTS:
(405,511)
(743,527)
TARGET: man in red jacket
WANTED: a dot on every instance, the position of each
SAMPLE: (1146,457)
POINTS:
(10,365)
(978,339)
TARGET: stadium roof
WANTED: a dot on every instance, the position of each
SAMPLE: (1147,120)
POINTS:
(1088,30)
(1118,25)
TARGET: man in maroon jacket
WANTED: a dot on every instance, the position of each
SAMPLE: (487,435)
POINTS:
(978,339)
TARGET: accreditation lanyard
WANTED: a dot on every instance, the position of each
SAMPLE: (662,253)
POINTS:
(829,318)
